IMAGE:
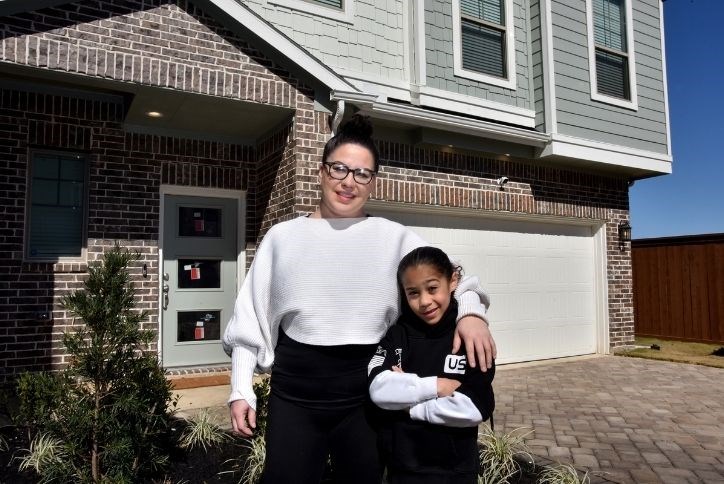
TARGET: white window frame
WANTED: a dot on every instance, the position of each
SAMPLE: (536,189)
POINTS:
(595,95)
(508,82)
(346,14)
(27,257)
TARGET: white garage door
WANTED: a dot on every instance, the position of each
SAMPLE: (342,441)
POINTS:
(540,277)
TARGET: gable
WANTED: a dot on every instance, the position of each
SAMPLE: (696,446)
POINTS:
(176,45)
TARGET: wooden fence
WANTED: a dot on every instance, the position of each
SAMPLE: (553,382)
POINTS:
(678,287)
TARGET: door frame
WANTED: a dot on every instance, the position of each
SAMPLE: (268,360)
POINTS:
(240,197)
(598,236)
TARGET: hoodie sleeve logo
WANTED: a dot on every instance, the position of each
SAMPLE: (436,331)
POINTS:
(455,364)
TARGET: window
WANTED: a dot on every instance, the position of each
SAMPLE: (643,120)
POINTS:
(483,41)
(56,216)
(329,3)
(611,61)
(342,10)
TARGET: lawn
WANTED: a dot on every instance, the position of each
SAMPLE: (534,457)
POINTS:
(680,351)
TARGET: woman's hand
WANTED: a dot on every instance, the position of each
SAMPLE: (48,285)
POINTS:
(243,418)
(474,332)
(446,386)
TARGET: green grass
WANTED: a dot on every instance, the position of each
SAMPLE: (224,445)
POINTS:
(678,351)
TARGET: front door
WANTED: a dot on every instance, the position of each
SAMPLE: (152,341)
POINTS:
(199,277)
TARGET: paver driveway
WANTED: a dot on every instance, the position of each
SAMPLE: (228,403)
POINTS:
(625,419)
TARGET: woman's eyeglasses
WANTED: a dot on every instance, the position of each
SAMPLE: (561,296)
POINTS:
(339,171)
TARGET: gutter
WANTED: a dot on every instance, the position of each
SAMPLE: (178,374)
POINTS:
(424,118)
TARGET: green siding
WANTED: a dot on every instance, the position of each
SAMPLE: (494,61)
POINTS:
(577,114)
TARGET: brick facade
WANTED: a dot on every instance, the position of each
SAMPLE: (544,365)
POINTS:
(174,45)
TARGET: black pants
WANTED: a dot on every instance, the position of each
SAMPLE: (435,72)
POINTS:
(401,477)
(299,439)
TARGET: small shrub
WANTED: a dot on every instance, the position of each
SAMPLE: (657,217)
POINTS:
(562,474)
(108,410)
(499,455)
(255,459)
(262,390)
(202,432)
(46,456)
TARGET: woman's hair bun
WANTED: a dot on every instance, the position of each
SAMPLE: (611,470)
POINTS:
(357,130)
(358,126)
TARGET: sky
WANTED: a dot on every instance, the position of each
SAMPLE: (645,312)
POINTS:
(690,201)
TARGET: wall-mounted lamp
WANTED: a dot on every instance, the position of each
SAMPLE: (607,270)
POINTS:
(624,233)
(502,181)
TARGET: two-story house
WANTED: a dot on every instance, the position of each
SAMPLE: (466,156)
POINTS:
(510,132)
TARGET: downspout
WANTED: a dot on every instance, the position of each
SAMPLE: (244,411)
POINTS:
(338,115)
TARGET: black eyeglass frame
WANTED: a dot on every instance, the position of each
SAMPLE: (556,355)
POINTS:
(349,170)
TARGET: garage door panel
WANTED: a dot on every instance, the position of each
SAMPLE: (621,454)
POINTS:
(540,277)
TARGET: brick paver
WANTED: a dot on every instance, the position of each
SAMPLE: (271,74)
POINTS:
(623,419)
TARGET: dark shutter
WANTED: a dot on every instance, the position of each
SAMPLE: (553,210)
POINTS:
(57,207)
(483,49)
(609,31)
(330,3)
(612,75)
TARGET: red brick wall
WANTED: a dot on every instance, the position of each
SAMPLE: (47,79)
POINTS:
(162,43)
(158,43)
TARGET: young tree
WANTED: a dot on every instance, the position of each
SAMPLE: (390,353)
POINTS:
(107,413)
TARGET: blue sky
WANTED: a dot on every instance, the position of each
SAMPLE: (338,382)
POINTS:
(691,199)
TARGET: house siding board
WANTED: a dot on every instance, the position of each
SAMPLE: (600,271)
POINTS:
(372,45)
(577,114)
(439,58)
(537,65)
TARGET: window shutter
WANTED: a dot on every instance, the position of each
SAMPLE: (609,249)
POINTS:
(488,10)
(609,32)
(609,24)
(612,75)
(483,49)
(57,208)
(330,3)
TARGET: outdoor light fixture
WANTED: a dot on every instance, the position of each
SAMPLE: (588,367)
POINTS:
(154,114)
(624,233)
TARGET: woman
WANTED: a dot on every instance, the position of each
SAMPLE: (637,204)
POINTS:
(318,297)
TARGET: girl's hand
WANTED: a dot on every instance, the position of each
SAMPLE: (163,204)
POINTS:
(397,369)
(446,386)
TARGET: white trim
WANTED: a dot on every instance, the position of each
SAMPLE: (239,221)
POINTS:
(383,87)
(603,323)
(633,103)
(583,149)
(346,14)
(403,207)
(664,76)
(549,77)
(424,118)
(250,20)
(419,44)
(511,81)
(240,197)
(474,106)
(407,42)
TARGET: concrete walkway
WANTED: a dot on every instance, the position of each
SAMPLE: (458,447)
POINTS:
(623,419)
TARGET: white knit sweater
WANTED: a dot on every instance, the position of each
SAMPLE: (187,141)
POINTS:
(326,282)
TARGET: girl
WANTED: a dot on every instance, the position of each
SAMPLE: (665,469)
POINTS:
(316,301)
(435,401)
